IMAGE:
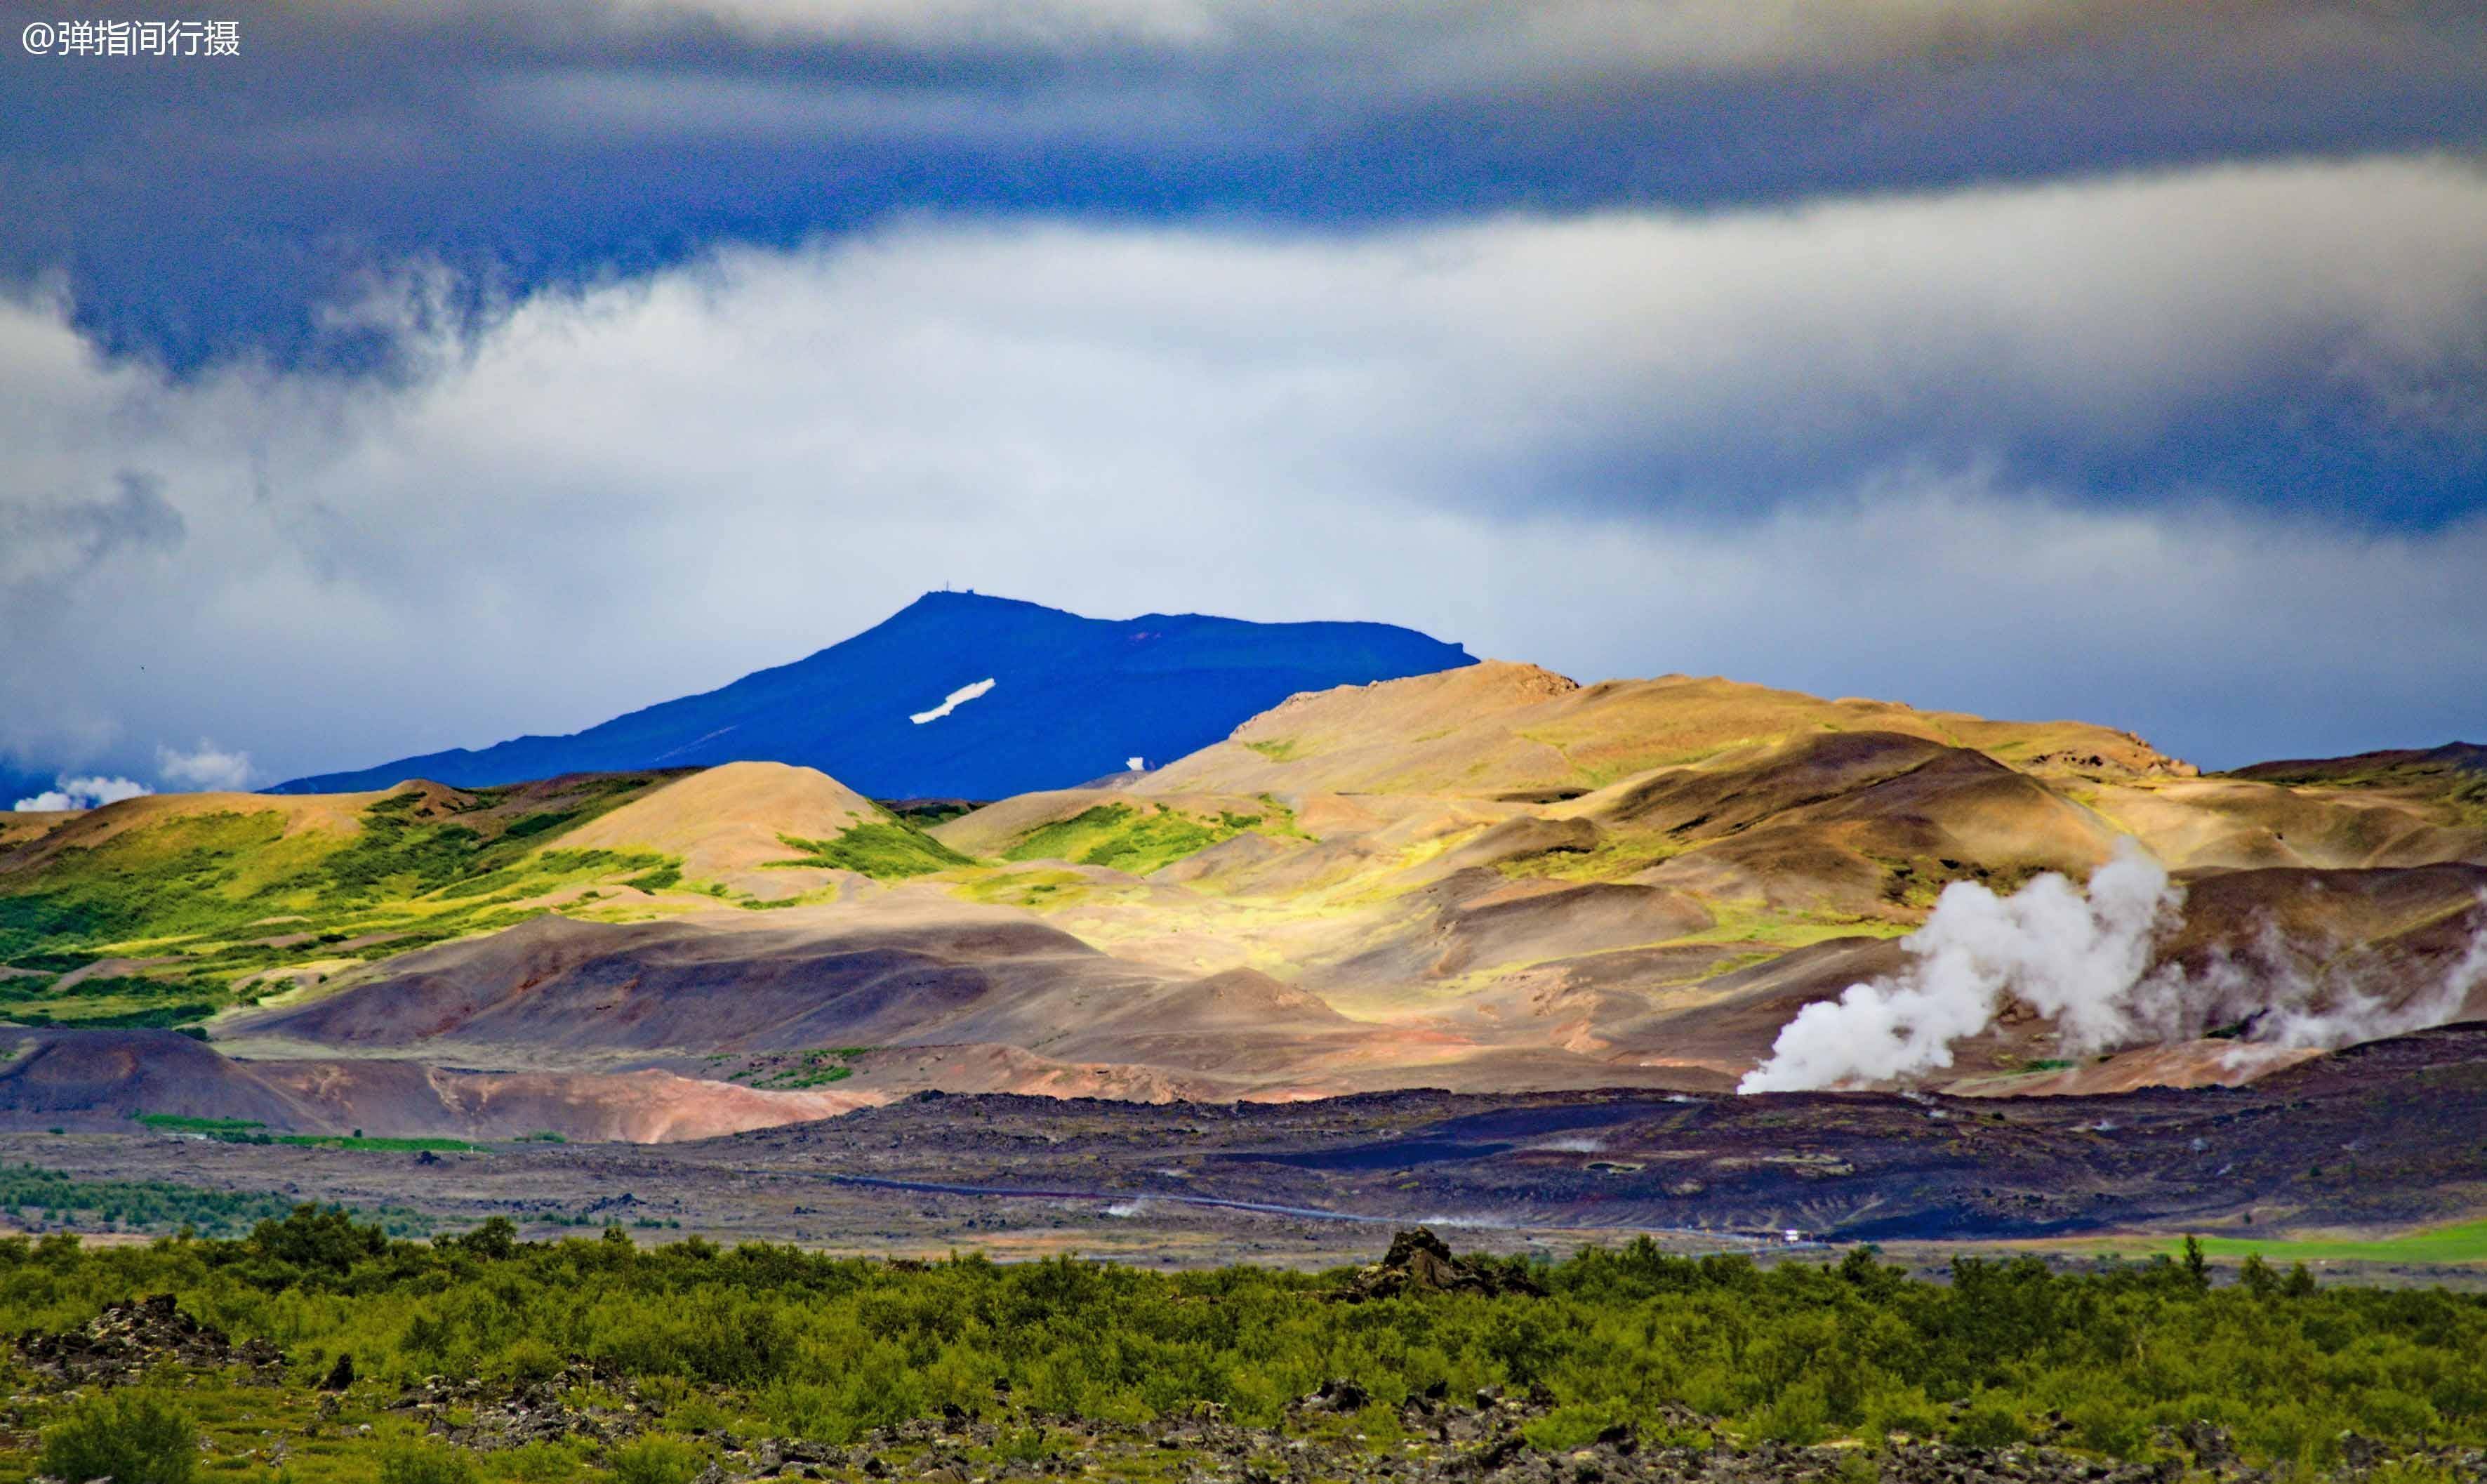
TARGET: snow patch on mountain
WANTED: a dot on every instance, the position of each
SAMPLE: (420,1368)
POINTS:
(952,702)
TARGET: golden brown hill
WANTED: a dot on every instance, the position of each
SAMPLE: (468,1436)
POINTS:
(999,827)
(905,972)
(2398,808)
(1502,729)
(729,824)
(20,825)
(336,814)
(1456,874)
(1850,821)
(2243,823)
(1487,878)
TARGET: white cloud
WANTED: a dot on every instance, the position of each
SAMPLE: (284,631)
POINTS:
(646,490)
(82,794)
(208,768)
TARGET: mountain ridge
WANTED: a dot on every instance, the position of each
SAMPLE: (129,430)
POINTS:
(1071,699)
(1484,878)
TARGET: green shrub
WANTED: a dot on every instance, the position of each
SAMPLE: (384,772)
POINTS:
(1027,1445)
(2110,1427)
(1127,838)
(1902,1410)
(159,1206)
(425,1462)
(1575,1426)
(826,1348)
(656,1459)
(127,1436)
(1986,1423)
(1799,1414)
(312,1238)
(892,851)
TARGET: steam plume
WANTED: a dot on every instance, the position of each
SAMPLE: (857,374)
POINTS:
(2087,961)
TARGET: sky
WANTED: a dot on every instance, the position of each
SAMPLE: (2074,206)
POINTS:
(429,373)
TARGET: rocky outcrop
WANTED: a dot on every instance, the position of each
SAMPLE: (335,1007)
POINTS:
(128,1339)
(1420,1262)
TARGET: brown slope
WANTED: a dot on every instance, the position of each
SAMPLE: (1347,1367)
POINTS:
(730,823)
(22,826)
(2385,942)
(2325,911)
(1729,1024)
(2210,1063)
(558,985)
(2452,764)
(1502,729)
(994,828)
(1852,822)
(332,821)
(1477,921)
(99,1079)
(2235,824)
(642,1107)
(335,814)
(556,992)
(121,1073)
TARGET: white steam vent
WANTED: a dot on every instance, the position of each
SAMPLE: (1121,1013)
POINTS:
(2086,960)
(952,702)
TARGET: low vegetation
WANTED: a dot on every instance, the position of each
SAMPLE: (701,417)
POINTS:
(203,912)
(128,1437)
(1140,838)
(1037,890)
(1748,920)
(2453,775)
(763,1341)
(891,849)
(800,1069)
(242,1131)
(925,813)
(1612,858)
(30,1195)
(2462,1241)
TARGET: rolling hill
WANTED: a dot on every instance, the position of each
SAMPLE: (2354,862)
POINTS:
(1481,878)
(963,696)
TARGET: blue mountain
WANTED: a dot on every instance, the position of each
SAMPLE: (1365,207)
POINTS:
(1071,699)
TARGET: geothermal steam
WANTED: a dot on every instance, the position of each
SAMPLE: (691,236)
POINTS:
(2087,961)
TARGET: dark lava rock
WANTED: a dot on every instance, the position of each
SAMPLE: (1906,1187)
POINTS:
(511,1414)
(1420,1262)
(1336,1396)
(126,1339)
(2211,1446)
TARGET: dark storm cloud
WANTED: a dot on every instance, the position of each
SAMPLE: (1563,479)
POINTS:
(431,374)
(648,487)
(362,172)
